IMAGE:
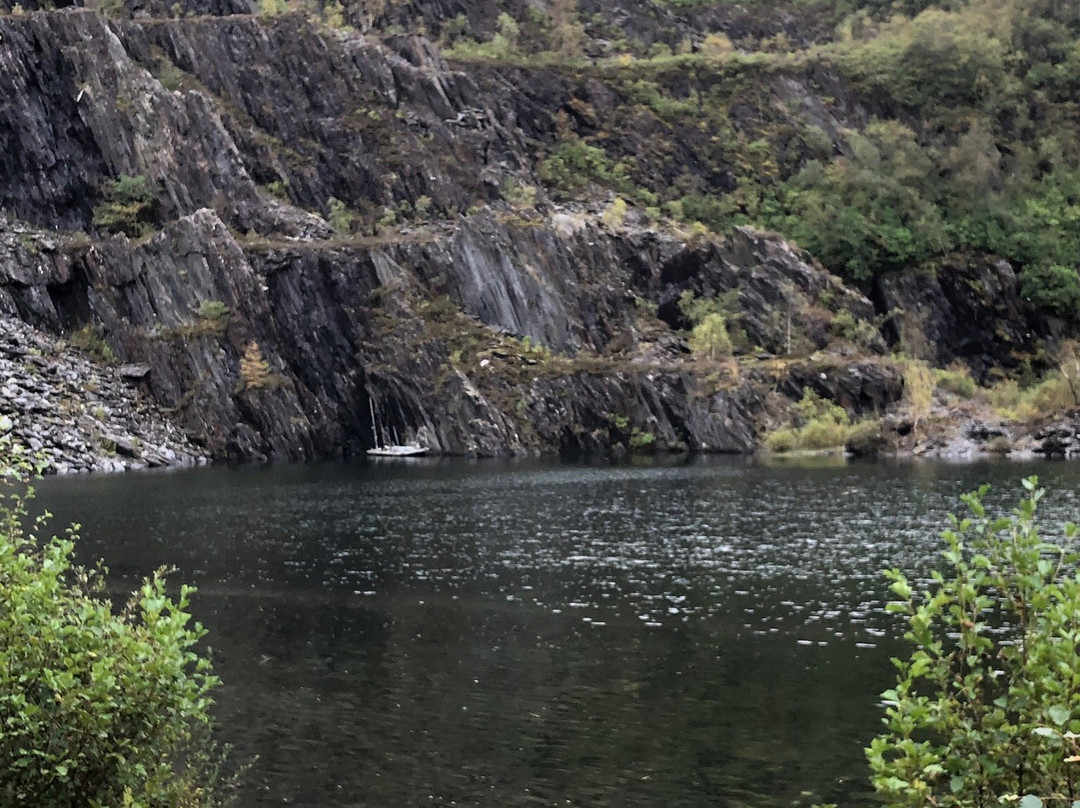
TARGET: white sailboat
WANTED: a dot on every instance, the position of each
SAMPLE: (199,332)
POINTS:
(391,449)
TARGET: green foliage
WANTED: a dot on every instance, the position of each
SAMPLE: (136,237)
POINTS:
(339,216)
(521,196)
(503,45)
(99,706)
(820,425)
(213,310)
(126,202)
(937,58)
(334,15)
(956,380)
(824,423)
(984,161)
(972,142)
(986,708)
(918,389)
(272,8)
(278,188)
(641,440)
(1051,394)
(695,309)
(717,212)
(508,29)
(855,330)
(867,212)
(574,164)
(614,215)
(1053,288)
(111,8)
(89,338)
(710,337)
(708,317)
(634,437)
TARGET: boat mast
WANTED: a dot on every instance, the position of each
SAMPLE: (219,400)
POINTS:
(374,430)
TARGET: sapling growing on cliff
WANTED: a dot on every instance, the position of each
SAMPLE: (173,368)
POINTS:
(124,206)
(986,709)
(709,336)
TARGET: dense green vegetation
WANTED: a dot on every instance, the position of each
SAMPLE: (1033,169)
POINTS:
(986,709)
(821,425)
(913,130)
(99,706)
(988,164)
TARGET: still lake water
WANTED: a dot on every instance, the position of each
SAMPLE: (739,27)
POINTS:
(521,634)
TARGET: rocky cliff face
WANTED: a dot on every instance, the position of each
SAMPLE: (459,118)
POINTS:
(964,310)
(480,336)
(329,223)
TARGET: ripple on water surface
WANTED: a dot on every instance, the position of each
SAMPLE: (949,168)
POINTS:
(527,634)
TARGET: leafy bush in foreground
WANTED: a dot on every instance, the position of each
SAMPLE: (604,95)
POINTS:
(99,707)
(986,710)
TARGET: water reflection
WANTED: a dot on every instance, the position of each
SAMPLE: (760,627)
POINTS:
(526,634)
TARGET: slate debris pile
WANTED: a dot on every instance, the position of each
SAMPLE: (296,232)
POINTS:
(79,415)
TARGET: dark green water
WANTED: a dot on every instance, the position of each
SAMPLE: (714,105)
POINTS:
(501,635)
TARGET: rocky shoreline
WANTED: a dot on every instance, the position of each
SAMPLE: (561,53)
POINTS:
(261,250)
(81,416)
(962,436)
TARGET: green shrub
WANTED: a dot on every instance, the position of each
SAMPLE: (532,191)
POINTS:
(272,8)
(710,337)
(574,164)
(822,425)
(89,338)
(986,708)
(641,440)
(955,379)
(845,325)
(864,437)
(1050,395)
(99,706)
(339,217)
(334,15)
(519,195)
(213,310)
(823,433)
(125,203)
(1052,288)
(782,440)
(866,212)
(503,45)
(614,215)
